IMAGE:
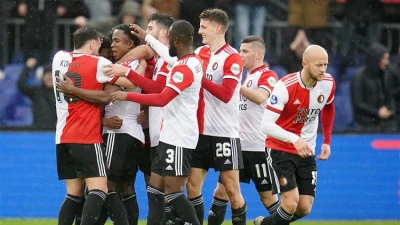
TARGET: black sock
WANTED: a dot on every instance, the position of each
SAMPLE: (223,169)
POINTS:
(116,209)
(156,206)
(280,217)
(272,208)
(92,208)
(170,218)
(103,216)
(78,216)
(132,208)
(183,207)
(216,215)
(295,217)
(198,205)
(69,209)
(239,215)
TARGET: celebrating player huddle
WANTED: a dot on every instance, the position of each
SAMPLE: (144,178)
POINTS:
(199,116)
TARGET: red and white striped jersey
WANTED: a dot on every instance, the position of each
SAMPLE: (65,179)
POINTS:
(179,126)
(127,111)
(217,118)
(251,114)
(299,108)
(156,113)
(77,120)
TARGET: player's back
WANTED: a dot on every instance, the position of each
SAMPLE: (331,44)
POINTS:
(299,108)
(78,121)
(217,118)
(180,126)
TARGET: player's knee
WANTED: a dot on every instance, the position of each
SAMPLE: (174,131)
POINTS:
(268,200)
(127,189)
(303,210)
(193,188)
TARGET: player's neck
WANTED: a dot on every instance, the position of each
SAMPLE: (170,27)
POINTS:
(217,44)
(255,66)
(306,79)
(184,52)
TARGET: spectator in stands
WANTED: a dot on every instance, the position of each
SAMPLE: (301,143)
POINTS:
(250,19)
(129,13)
(371,104)
(42,96)
(291,59)
(170,7)
(394,81)
(312,16)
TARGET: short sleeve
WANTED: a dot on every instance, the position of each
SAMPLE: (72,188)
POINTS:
(181,78)
(100,76)
(332,95)
(279,98)
(268,80)
(164,70)
(233,67)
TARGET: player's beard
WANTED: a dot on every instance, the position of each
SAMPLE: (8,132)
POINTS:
(172,50)
(315,77)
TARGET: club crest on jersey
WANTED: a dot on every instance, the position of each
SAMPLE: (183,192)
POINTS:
(321,98)
(177,77)
(215,66)
(271,81)
(249,83)
(235,68)
(283,181)
(274,99)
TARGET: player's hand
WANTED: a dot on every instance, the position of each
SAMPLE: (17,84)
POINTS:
(325,152)
(113,122)
(112,70)
(138,31)
(142,117)
(65,85)
(384,112)
(119,95)
(31,63)
(303,148)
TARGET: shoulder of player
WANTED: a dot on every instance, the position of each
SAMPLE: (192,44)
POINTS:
(328,77)
(290,79)
(230,50)
(269,73)
(201,49)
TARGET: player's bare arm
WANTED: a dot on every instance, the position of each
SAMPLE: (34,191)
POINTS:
(140,52)
(257,96)
(99,97)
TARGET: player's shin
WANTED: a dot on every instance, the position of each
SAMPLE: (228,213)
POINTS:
(92,207)
(132,208)
(198,205)
(217,211)
(116,209)
(156,206)
(69,209)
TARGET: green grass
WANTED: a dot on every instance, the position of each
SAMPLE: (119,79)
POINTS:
(52,222)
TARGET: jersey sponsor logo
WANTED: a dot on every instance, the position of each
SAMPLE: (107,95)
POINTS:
(274,99)
(271,81)
(215,66)
(321,98)
(177,77)
(235,68)
(305,115)
(249,83)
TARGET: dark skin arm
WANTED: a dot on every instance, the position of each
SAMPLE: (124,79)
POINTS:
(98,97)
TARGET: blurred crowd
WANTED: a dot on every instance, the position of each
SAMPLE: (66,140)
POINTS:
(368,72)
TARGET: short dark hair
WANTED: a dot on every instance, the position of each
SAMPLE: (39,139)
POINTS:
(127,31)
(163,19)
(216,15)
(83,35)
(255,39)
(183,29)
(105,44)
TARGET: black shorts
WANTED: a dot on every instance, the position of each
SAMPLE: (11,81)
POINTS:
(256,169)
(291,171)
(80,161)
(125,156)
(170,160)
(222,153)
